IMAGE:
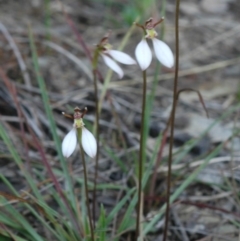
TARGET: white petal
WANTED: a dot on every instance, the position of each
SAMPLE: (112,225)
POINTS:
(143,54)
(112,65)
(121,57)
(69,143)
(89,143)
(163,53)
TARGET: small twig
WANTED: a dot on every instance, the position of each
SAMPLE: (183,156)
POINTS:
(199,96)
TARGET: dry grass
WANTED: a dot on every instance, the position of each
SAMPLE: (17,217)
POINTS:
(209,53)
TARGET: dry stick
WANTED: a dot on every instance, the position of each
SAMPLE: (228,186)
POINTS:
(97,137)
(86,191)
(141,154)
(175,94)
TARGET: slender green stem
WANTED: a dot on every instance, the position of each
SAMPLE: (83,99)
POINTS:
(86,191)
(141,155)
(97,137)
(175,95)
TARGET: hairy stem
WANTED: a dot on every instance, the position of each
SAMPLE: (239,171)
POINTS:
(141,156)
(175,96)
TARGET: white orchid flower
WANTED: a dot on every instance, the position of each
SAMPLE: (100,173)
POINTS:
(109,55)
(162,51)
(88,141)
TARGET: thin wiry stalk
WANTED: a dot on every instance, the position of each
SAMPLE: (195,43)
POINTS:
(141,155)
(86,192)
(97,138)
(175,96)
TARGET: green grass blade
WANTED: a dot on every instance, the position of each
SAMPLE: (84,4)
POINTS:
(101,226)
(191,178)
(119,206)
(18,161)
(27,228)
(51,120)
(180,189)
(116,159)
(128,221)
